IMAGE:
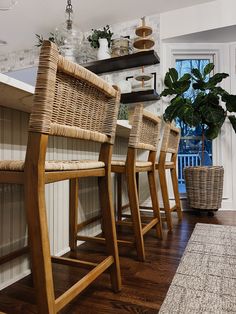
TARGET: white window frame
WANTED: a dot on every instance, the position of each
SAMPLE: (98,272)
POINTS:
(221,57)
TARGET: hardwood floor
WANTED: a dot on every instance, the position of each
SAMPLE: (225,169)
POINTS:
(144,284)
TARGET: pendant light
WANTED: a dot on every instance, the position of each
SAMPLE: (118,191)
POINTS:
(68,35)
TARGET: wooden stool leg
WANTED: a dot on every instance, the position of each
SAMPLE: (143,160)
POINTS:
(134,208)
(155,202)
(165,196)
(119,196)
(73,213)
(134,203)
(39,245)
(137,182)
(176,192)
(109,229)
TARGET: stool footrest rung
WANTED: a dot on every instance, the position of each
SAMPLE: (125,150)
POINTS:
(149,226)
(125,206)
(83,283)
(141,216)
(172,209)
(103,240)
(145,207)
(91,239)
(72,262)
(126,215)
(130,223)
(83,224)
(6,258)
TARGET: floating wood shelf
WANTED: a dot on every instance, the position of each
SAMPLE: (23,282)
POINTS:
(140,96)
(138,59)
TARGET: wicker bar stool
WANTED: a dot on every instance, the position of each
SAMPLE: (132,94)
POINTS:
(168,161)
(69,101)
(145,135)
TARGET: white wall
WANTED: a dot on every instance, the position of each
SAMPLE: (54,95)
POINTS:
(202,17)
(223,147)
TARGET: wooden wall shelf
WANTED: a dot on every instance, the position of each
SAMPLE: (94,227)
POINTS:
(138,59)
(140,96)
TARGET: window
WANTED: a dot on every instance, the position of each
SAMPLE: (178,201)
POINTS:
(191,138)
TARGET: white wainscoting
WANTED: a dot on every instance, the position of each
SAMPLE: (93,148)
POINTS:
(13,227)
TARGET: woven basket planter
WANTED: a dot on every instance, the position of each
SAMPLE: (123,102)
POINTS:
(204,186)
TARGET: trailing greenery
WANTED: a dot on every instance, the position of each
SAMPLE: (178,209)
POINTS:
(100,33)
(208,109)
(53,37)
(123,112)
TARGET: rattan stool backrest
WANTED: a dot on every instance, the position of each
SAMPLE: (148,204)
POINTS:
(71,101)
(145,132)
(170,139)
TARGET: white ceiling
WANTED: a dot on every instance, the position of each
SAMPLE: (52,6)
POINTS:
(18,25)
(219,35)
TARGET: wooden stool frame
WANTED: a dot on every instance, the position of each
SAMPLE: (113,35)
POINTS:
(145,135)
(64,93)
(169,146)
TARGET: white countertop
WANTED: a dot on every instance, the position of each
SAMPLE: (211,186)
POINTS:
(15,94)
(18,95)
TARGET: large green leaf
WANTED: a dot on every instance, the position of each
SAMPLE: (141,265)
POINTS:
(218,91)
(199,100)
(213,115)
(167,80)
(230,102)
(212,132)
(171,111)
(185,77)
(173,74)
(208,68)
(181,86)
(192,117)
(215,79)
(197,74)
(212,100)
(232,119)
(199,85)
(167,92)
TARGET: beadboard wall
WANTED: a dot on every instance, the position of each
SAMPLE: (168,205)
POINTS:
(13,232)
(13,140)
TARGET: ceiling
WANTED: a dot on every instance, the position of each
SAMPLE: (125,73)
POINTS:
(18,25)
(218,35)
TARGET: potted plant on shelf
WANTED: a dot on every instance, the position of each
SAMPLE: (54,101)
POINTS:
(101,39)
(208,110)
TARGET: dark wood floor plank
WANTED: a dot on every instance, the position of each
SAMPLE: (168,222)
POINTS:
(144,284)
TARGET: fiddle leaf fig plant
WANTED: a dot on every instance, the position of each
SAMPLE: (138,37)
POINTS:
(210,106)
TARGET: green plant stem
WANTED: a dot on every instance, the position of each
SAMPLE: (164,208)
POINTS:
(203,146)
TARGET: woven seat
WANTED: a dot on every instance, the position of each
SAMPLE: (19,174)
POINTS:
(69,101)
(137,163)
(53,165)
(144,135)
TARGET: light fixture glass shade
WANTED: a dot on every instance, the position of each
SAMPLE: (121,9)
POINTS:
(69,41)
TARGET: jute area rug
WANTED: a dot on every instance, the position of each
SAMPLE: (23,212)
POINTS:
(205,281)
